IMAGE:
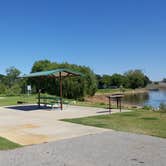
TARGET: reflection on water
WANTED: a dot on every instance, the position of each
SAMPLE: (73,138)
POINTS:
(136,99)
(152,98)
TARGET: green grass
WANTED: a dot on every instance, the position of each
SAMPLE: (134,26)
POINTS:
(6,144)
(6,101)
(118,90)
(88,104)
(142,122)
(32,99)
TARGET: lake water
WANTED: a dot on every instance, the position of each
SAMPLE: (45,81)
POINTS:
(152,98)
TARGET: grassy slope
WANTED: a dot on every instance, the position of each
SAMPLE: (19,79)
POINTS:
(102,91)
(143,122)
(126,91)
(6,144)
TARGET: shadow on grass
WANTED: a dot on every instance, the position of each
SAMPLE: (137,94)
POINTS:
(100,112)
(150,118)
(129,114)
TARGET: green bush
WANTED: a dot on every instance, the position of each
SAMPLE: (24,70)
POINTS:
(146,107)
(13,91)
(162,108)
(2,88)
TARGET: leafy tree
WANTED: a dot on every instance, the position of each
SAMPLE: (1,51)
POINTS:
(14,90)
(117,80)
(136,79)
(2,88)
(100,83)
(11,84)
(1,77)
(131,79)
(76,87)
(12,75)
(43,65)
(106,80)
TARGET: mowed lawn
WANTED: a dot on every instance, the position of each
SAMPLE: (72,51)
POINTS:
(6,101)
(142,122)
(6,144)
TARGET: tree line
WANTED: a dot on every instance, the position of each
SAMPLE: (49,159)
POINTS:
(73,87)
(131,79)
(76,87)
(10,84)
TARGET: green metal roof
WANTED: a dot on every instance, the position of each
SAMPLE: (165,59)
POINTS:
(54,73)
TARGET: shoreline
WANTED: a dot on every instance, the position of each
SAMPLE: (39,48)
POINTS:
(100,97)
(125,92)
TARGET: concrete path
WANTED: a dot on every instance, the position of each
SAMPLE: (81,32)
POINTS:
(26,125)
(104,149)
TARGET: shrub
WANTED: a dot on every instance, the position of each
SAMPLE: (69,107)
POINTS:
(146,107)
(162,108)
(13,91)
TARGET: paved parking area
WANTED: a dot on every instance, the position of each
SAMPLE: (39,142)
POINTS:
(109,148)
(27,125)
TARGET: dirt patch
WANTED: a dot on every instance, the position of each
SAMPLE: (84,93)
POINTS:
(97,99)
(29,126)
(33,139)
(18,128)
(27,138)
(102,99)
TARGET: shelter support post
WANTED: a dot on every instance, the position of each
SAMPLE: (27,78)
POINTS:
(61,101)
(120,104)
(39,98)
(109,104)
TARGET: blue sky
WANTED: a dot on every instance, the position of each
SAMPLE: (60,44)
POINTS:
(110,36)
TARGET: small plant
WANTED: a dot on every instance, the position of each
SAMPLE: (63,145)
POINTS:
(122,89)
(162,108)
(102,103)
(146,107)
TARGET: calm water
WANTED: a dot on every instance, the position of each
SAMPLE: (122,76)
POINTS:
(152,98)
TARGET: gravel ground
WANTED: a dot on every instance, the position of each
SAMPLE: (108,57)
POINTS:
(105,149)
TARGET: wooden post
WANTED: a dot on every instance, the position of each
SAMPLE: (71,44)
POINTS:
(39,97)
(109,104)
(61,102)
(39,92)
(120,104)
(117,100)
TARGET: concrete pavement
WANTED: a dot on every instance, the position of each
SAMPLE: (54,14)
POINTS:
(27,125)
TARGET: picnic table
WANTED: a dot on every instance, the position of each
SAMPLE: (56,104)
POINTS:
(50,101)
(53,102)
